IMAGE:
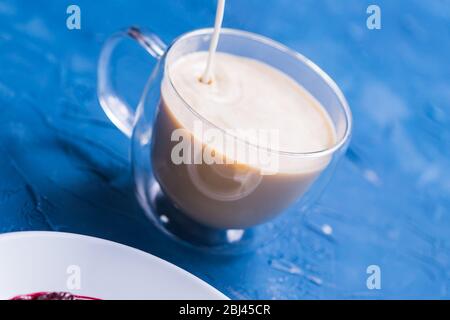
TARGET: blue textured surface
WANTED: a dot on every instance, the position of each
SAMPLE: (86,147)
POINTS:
(64,167)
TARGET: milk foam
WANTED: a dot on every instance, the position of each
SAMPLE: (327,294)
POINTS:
(249,94)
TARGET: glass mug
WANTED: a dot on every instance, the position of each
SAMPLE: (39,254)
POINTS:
(218,207)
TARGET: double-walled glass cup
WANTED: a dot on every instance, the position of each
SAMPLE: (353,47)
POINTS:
(211,205)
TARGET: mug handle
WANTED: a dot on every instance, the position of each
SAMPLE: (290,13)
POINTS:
(117,110)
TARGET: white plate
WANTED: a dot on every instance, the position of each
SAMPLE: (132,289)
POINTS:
(54,261)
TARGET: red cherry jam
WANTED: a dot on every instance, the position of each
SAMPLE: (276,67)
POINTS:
(52,296)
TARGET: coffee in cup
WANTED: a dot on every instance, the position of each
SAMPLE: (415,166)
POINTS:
(245,95)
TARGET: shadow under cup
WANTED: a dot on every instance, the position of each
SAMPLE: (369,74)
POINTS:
(219,205)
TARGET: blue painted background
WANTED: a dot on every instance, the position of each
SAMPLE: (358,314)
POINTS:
(64,167)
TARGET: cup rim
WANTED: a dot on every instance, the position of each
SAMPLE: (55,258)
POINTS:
(286,50)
